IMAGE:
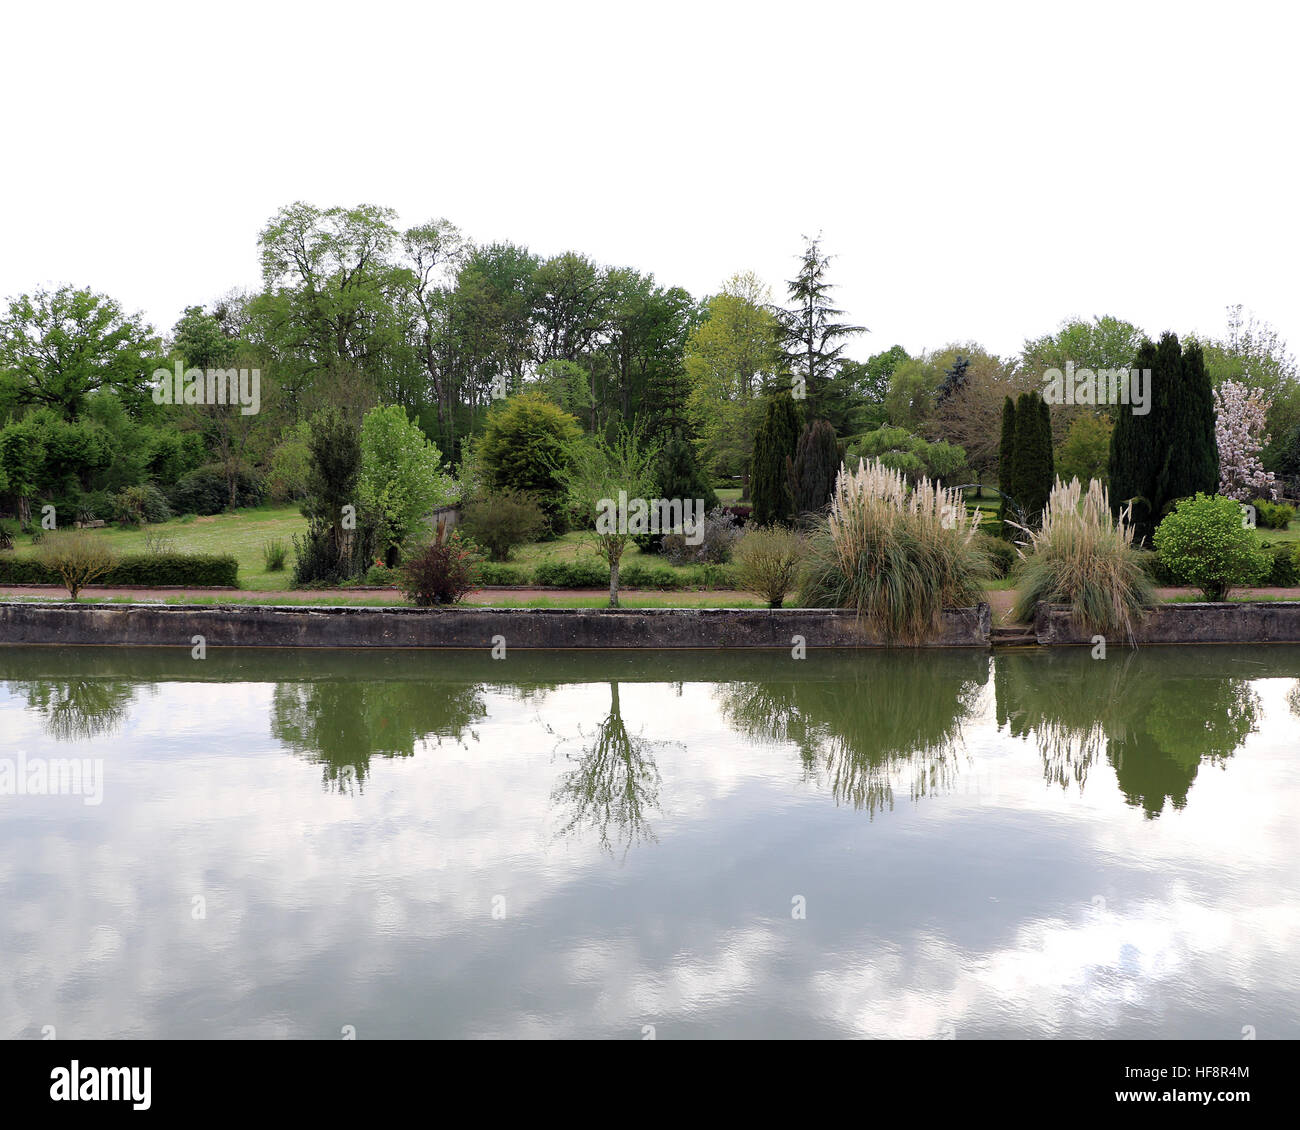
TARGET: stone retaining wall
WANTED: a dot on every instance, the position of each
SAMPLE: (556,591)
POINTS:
(1257,622)
(144,625)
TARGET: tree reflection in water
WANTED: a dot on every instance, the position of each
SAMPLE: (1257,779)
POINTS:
(78,709)
(613,785)
(891,716)
(341,725)
(1155,722)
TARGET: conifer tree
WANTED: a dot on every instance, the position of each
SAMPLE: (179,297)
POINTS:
(774,446)
(1006,466)
(813,469)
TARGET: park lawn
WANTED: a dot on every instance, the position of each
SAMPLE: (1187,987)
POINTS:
(241,534)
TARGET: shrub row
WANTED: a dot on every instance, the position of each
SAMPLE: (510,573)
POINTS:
(595,575)
(1284,573)
(153,570)
(1272,515)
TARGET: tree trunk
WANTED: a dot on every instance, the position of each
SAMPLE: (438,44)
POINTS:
(613,584)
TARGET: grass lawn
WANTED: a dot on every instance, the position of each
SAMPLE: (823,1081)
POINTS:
(240,534)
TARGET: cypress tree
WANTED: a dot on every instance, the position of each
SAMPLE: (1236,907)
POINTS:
(1032,456)
(814,467)
(1006,465)
(1190,451)
(1169,452)
(1133,446)
(680,474)
(774,445)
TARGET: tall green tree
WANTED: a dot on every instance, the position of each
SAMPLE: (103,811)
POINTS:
(1032,464)
(1007,468)
(59,348)
(774,446)
(814,467)
(815,337)
(1169,452)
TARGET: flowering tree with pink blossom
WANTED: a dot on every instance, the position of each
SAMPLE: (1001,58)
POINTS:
(1239,425)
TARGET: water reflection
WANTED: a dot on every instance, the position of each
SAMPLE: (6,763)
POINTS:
(613,785)
(1154,724)
(78,709)
(342,725)
(885,716)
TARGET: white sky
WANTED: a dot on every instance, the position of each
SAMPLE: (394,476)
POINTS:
(980,171)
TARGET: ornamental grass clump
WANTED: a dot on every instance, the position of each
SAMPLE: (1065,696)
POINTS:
(897,553)
(1084,557)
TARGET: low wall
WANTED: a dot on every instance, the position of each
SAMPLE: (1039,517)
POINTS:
(144,625)
(1258,622)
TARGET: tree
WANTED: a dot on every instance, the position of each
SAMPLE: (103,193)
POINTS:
(22,456)
(969,413)
(522,446)
(1007,467)
(868,383)
(1032,464)
(774,447)
(813,469)
(58,348)
(400,481)
(731,357)
(597,473)
(954,379)
(1240,422)
(814,337)
(327,551)
(679,475)
(1086,449)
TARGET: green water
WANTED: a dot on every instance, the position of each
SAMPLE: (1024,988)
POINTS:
(928,845)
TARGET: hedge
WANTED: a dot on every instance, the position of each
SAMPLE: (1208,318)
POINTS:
(497,573)
(150,570)
(595,575)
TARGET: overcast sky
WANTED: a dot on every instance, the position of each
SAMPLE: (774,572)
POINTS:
(980,171)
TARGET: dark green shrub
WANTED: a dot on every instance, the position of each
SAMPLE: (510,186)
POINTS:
(8,529)
(1285,570)
(641,576)
(572,575)
(720,577)
(205,492)
(136,505)
(494,573)
(381,574)
(441,573)
(503,520)
(1203,544)
(187,570)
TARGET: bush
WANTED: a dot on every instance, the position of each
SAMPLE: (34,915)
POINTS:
(572,574)
(1272,515)
(523,447)
(1084,557)
(134,506)
(738,514)
(492,573)
(380,574)
(767,562)
(441,573)
(721,577)
(175,570)
(898,555)
(8,529)
(317,560)
(1203,544)
(714,545)
(76,558)
(641,576)
(1002,556)
(152,570)
(1285,570)
(503,520)
(205,492)
(274,554)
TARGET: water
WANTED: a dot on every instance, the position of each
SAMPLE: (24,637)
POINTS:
(309,843)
